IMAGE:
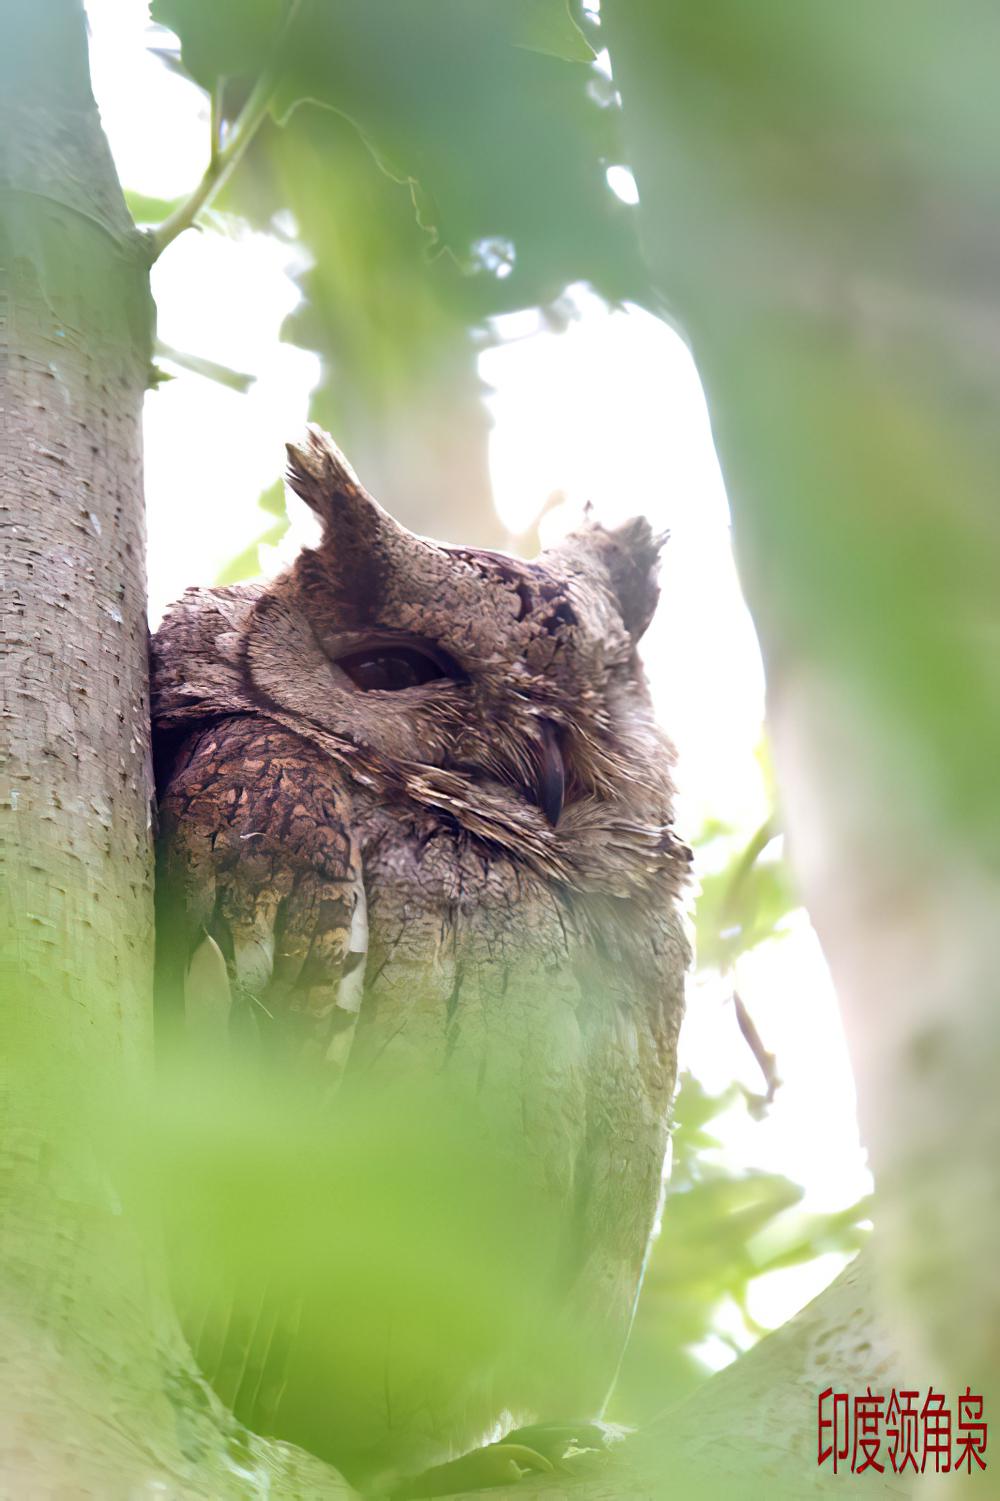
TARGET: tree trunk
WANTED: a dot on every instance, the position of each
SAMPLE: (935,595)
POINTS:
(818,202)
(97,1394)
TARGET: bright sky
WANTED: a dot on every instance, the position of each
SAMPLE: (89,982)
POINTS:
(610,411)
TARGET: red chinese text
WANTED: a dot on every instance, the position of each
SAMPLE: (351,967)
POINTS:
(906,1430)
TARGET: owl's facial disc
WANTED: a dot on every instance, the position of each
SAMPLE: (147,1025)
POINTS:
(505,673)
(389,662)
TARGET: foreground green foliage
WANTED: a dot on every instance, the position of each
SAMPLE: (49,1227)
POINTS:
(443,165)
(818,205)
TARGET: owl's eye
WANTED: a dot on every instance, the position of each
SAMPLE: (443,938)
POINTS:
(389,668)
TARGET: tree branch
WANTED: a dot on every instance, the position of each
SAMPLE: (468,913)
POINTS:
(750,1430)
(225,157)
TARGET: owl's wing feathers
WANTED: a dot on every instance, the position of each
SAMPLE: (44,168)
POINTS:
(261,931)
(260,888)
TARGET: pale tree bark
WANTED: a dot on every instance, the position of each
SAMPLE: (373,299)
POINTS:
(97,1393)
(818,201)
(751,1431)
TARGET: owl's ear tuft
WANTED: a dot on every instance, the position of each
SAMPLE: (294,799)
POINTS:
(362,546)
(633,563)
(630,556)
(320,474)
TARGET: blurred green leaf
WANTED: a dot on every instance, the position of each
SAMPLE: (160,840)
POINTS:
(223,375)
(146,210)
(505,139)
(799,1237)
(711,829)
(694,1109)
(721,1229)
(226,38)
(308,1230)
(246,564)
(496,152)
(846,336)
(548,26)
(504,143)
(273,501)
(742,905)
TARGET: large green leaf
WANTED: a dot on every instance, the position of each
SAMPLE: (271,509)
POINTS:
(483,111)
(819,203)
(548,26)
(225,38)
(456,171)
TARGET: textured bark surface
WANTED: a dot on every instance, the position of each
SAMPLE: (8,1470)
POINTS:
(96,1399)
(76,796)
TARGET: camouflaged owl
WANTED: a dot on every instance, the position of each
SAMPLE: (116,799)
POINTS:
(415,818)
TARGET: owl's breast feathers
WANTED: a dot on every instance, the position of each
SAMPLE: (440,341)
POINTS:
(260,875)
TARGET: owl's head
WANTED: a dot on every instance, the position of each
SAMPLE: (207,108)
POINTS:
(471,673)
(508,695)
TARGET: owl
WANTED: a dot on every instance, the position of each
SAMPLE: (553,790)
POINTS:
(415,817)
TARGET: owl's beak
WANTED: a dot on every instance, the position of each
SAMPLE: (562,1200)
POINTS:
(550,782)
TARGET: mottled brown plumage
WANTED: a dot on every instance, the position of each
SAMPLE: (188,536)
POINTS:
(414,797)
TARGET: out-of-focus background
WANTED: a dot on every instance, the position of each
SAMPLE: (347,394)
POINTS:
(488,399)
